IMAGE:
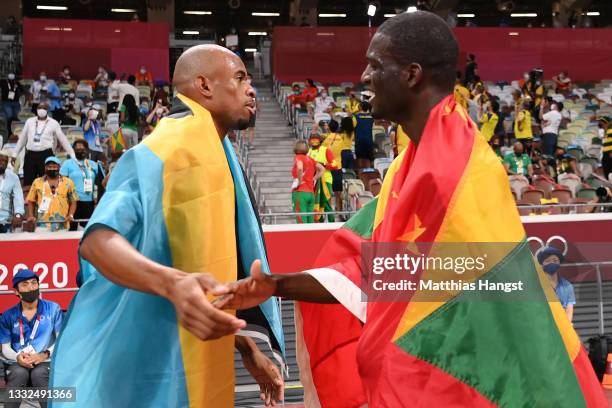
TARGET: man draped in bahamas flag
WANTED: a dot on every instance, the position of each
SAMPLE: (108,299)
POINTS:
(176,223)
(447,187)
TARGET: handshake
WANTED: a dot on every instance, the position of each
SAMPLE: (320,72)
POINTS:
(209,319)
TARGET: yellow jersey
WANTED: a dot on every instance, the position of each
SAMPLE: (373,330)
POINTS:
(337,142)
(522,125)
(401,140)
(488,124)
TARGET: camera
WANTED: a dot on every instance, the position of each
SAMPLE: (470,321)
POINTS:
(603,195)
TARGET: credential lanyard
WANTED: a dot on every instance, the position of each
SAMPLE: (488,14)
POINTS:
(32,335)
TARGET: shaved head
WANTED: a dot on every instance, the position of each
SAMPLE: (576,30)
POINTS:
(216,78)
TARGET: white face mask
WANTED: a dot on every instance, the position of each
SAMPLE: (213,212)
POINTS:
(43,78)
(11,76)
(70,96)
(93,114)
(66,71)
(159,111)
(42,113)
(601,132)
(526,76)
(143,71)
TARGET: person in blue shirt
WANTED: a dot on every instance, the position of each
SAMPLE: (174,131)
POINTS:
(11,196)
(363,123)
(27,332)
(550,258)
(91,133)
(83,173)
(54,98)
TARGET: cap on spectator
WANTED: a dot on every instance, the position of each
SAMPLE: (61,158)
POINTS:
(23,275)
(53,159)
(547,251)
(96,107)
(604,119)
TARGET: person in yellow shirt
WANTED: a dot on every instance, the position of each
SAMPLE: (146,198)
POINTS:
(52,199)
(347,129)
(462,94)
(352,104)
(399,140)
(522,126)
(336,142)
(488,119)
(324,186)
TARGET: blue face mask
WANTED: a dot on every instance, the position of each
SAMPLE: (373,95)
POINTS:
(551,268)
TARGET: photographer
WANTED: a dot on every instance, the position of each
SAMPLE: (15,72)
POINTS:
(604,196)
(73,107)
(551,120)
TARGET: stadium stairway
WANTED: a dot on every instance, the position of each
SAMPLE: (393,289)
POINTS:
(272,157)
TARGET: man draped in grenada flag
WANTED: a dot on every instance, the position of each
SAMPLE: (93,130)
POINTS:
(446,187)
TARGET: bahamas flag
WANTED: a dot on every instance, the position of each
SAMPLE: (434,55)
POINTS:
(452,351)
(180,198)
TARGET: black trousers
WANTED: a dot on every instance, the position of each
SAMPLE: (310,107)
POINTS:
(18,376)
(34,165)
(84,210)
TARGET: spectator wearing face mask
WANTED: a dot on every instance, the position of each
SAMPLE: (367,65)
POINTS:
(38,91)
(323,103)
(53,96)
(113,93)
(52,199)
(155,115)
(518,163)
(92,134)
(144,77)
(550,259)
(74,107)
(28,332)
(551,121)
(11,195)
(128,120)
(38,136)
(65,76)
(564,163)
(83,173)
(129,89)
(352,104)
(11,91)
(101,79)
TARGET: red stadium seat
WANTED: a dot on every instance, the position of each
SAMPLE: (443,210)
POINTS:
(533,196)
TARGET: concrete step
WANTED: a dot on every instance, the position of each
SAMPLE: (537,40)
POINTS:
(276,190)
(273,180)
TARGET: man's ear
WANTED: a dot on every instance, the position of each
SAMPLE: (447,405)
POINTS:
(412,74)
(204,86)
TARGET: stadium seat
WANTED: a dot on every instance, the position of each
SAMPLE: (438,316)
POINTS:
(374,185)
(586,169)
(24,115)
(363,199)
(562,195)
(594,181)
(546,186)
(17,127)
(575,152)
(382,164)
(518,184)
(533,196)
(366,175)
(571,181)
(354,186)
(348,174)
(322,117)
(525,208)
(587,193)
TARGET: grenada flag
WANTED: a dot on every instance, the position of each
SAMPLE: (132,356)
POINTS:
(452,351)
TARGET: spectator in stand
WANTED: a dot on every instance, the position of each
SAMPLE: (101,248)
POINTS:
(305,173)
(83,173)
(551,121)
(488,119)
(347,130)
(65,77)
(550,258)
(323,103)
(129,89)
(564,163)
(606,161)
(144,77)
(52,199)
(28,332)
(92,134)
(128,120)
(101,78)
(114,93)
(38,136)
(352,104)
(517,98)
(11,91)
(308,94)
(363,123)
(470,68)
(563,83)
(74,107)
(399,140)
(535,89)
(11,196)
(522,127)
(323,188)
(335,142)
(38,90)
(161,93)
(495,144)
(54,98)
(155,115)
(518,163)
(11,27)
